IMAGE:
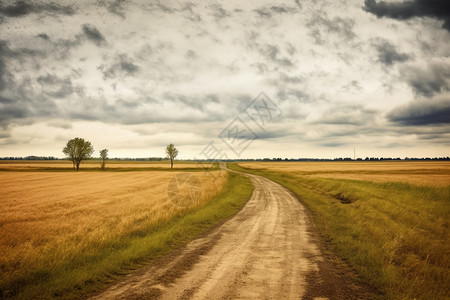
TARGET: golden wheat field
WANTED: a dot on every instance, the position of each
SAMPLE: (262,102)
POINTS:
(48,217)
(388,220)
(416,172)
(110,164)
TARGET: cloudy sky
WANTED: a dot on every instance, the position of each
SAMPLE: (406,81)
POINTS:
(304,78)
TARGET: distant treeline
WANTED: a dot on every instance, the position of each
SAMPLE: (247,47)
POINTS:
(33,157)
(140,159)
(343,159)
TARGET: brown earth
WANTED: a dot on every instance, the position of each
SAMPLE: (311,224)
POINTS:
(269,250)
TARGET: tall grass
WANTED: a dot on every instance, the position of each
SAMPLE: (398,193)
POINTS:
(394,234)
(112,234)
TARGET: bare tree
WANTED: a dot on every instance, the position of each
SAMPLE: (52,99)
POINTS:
(104,157)
(78,149)
(171,152)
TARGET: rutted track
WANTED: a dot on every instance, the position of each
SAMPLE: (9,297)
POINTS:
(265,252)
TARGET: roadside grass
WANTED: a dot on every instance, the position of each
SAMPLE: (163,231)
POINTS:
(93,267)
(394,234)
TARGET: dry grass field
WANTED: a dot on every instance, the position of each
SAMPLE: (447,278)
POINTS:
(49,219)
(415,172)
(388,220)
(8,165)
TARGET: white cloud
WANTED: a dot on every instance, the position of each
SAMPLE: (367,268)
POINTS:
(132,76)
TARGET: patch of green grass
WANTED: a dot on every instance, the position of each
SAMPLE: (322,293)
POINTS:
(395,235)
(93,269)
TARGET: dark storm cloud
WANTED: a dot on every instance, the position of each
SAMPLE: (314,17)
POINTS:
(296,94)
(191,13)
(192,102)
(290,49)
(3,136)
(424,112)
(43,36)
(6,55)
(218,12)
(429,81)
(63,47)
(352,86)
(6,51)
(276,133)
(22,8)
(93,34)
(291,79)
(116,7)
(56,87)
(24,98)
(438,138)
(212,98)
(320,26)
(332,144)
(10,111)
(388,54)
(123,65)
(4,74)
(4,100)
(272,53)
(25,105)
(60,124)
(268,12)
(189,109)
(166,9)
(261,67)
(347,115)
(190,55)
(128,67)
(344,133)
(210,107)
(439,9)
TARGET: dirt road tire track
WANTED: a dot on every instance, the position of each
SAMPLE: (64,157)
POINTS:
(266,251)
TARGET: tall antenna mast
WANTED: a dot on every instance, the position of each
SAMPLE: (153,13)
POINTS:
(354,153)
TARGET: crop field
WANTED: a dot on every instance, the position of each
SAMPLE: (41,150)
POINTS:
(31,165)
(388,220)
(416,172)
(65,234)
(61,229)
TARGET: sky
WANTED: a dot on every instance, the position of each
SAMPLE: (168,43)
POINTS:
(226,79)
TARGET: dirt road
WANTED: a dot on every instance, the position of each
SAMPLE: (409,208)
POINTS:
(266,251)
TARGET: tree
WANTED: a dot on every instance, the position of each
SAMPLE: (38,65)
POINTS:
(104,157)
(78,149)
(69,150)
(171,152)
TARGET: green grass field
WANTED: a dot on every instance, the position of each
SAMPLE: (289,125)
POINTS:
(394,234)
